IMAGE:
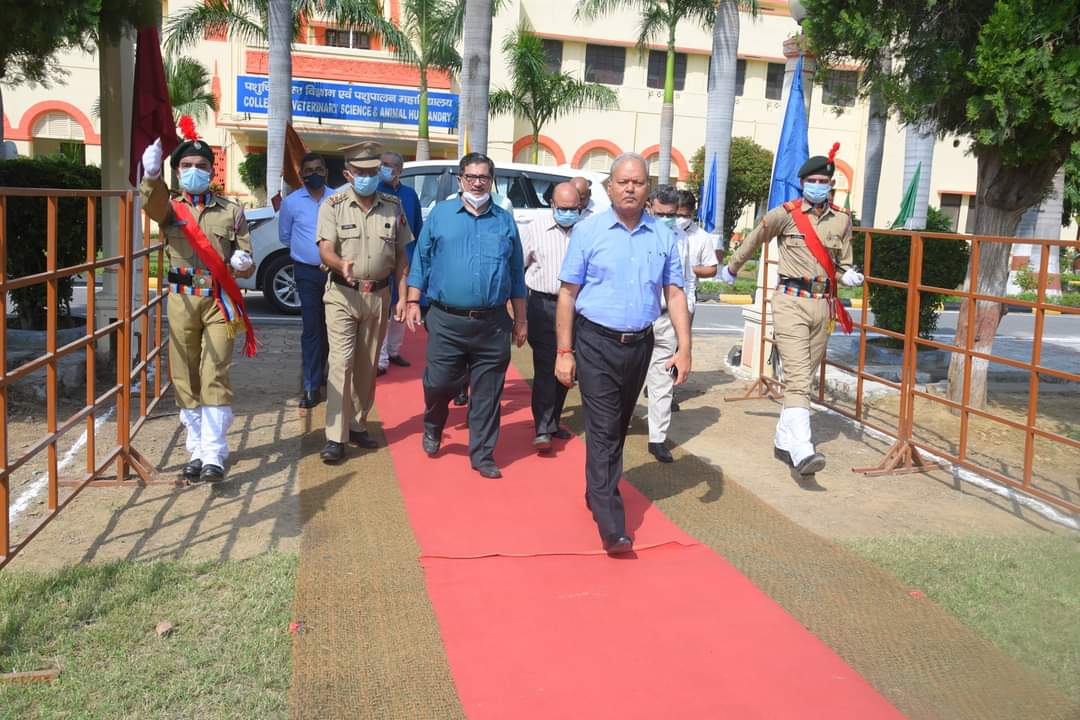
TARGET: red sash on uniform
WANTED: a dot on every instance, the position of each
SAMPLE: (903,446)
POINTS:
(231,302)
(802,222)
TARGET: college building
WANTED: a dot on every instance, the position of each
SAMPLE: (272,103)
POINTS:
(347,85)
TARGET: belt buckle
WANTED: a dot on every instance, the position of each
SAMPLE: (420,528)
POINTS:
(626,338)
(819,287)
(201,281)
(473,314)
(367,285)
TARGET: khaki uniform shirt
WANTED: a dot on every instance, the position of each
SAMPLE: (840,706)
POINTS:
(374,240)
(222,222)
(796,260)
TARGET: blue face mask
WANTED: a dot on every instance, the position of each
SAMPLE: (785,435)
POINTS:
(386,174)
(666,221)
(815,192)
(365,185)
(566,217)
(194,180)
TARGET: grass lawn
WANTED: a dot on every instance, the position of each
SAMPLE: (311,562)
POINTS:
(1022,593)
(228,657)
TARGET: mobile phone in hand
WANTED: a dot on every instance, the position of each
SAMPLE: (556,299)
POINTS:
(673,371)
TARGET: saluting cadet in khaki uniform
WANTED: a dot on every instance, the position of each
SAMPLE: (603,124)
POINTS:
(362,236)
(202,318)
(804,304)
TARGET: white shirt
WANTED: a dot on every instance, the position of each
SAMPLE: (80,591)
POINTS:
(544,244)
(688,270)
(702,252)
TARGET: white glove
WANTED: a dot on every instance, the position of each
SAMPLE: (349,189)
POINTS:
(852,278)
(241,261)
(726,276)
(151,160)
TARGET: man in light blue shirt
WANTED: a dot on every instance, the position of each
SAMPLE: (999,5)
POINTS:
(469,261)
(297,223)
(618,263)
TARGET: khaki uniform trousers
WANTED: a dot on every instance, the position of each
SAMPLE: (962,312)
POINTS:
(200,352)
(355,326)
(801,334)
(660,384)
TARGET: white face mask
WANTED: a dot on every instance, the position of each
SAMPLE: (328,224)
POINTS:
(476,200)
(684,223)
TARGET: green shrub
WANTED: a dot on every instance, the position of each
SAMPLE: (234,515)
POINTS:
(26,228)
(944,265)
(253,171)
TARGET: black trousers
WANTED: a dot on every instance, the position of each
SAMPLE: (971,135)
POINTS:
(472,350)
(610,375)
(548,394)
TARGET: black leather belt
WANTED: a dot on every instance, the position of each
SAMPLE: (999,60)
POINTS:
(473,313)
(367,286)
(199,280)
(818,287)
(624,338)
(546,296)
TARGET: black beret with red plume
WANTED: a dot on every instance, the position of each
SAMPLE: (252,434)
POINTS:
(820,165)
(192,145)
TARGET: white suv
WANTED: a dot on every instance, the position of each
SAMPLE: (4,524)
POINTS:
(528,188)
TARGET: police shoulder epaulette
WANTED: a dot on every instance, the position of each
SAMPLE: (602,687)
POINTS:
(840,209)
(789,205)
(337,198)
(390,198)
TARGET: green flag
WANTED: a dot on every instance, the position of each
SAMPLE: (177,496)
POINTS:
(907,205)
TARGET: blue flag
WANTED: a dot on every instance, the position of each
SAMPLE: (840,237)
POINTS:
(794,147)
(707,208)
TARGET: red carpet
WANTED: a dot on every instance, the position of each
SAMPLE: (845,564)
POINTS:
(537,623)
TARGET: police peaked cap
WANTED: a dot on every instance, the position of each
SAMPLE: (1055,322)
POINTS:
(192,147)
(820,165)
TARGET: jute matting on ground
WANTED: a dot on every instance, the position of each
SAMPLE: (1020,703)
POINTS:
(370,645)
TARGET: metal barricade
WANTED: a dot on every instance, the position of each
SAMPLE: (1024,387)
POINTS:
(907,453)
(119,396)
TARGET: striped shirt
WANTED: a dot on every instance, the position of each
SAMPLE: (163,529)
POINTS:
(544,243)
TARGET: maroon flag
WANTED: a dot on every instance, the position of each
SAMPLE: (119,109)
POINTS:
(151,111)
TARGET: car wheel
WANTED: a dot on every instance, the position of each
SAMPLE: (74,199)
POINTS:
(279,285)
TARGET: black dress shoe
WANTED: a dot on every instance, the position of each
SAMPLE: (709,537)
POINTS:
(379,372)
(431,444)
(309,399)
(809,466)
(489,471)
(362,439)
(462,399)
(542,442)
(400,361)
(193,469)
(212,473)
(660,452)
(332,452)
(562,434)
(783,456)
(617,544)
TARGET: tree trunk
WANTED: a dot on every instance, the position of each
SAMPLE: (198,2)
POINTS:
(1003,193)
(720,106)
(279,36)
(2,156)
(919,151)
(423,143)
(667,114)
(535,149)
(875,151)
(476,71)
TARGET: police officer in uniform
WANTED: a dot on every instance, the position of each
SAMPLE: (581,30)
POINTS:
(804,304)
(362,236)
(201,337)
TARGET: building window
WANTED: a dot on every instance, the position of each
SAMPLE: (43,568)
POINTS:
(774,81)
(973,207)
(839,88)
(57,133)
(544,156)
(348,39)
(950,205)
(598,160)
(553,52)
(658,69)
(605,64)
(740,77)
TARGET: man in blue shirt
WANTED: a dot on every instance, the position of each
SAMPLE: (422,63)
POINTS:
(618,263)
(469,261)
(296,229)
(390,183)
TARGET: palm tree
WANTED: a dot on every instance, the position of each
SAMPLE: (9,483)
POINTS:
(720,104)
(919,144)
(476,72)
(276,23)
(540,95)
(187,79)
(658,16)
(875,147)
(431,29)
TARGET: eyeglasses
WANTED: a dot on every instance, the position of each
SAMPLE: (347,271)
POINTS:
(476,179)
